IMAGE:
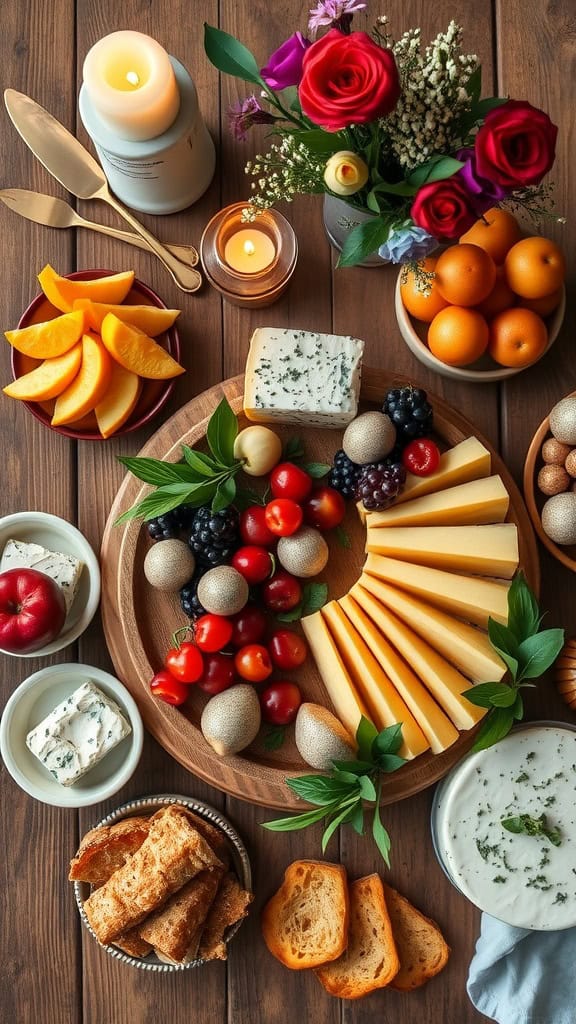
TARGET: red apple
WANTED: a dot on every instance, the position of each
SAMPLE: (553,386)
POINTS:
(32,610)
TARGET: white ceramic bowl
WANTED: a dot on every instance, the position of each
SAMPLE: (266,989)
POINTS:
(484,370)
(149,805)
(35,698)
(58,535)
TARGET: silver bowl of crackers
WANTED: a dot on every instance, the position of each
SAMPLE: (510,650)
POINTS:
(163,883)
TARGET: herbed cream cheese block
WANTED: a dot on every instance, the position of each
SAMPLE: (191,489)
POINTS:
(302,377)
(78,733)
(65,570)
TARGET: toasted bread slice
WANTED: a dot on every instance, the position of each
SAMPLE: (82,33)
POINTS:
(305,924)
(103,850)
(133,944)
(215,838)
(370,961)
(421,947)
(230,905)
(175,929)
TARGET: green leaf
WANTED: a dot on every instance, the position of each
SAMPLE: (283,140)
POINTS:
(495,727)
(355,817)
(474,84)
(293,449)
(435,169)
(296,822)
(316,469)
(315,596)
(245,497)
(331,828)
(275,737)
(504,642)
(201,464)
(513,824)
(388,741)
(523,610)
(225,494)
(390,762)
(356,767)
(154,471)
(526,824)
(489,103)
(362,241)
(367,788)
(537,653)
(151,506)
(372,201)
(343,538)
(381,837)
(518,708)
(319,141)
(481,694)
(230,56)
(366,733)
(321,789)
(349,778)
(221,433)
(401,188)
(291,616)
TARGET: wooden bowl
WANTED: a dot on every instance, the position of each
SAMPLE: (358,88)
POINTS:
(566,554)
(138,621)
(155,393)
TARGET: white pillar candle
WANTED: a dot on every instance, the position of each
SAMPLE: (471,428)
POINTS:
(131,85)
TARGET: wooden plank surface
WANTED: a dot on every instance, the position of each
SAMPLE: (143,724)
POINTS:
(54,974)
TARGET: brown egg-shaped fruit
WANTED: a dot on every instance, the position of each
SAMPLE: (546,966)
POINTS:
(553,479)
(555,452)
(570,463)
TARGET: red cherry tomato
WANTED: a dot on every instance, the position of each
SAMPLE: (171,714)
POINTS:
(280,703)
(218,674)
(282,592)
(325,508)
(249,626)
(287,649)
(253,529)
(255,564)
(212,632)
(185,662)
(253,663)
(421,457)
(167,688)
(290,481)
(283,516)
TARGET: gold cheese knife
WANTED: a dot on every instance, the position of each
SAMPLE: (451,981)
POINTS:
(73,166)
(56,213)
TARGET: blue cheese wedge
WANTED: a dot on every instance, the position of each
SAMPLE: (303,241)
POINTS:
(78,733)
(302,377)
(65,570)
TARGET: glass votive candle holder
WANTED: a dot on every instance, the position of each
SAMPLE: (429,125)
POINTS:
(249,263)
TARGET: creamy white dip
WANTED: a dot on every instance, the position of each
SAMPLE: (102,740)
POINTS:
(524,880)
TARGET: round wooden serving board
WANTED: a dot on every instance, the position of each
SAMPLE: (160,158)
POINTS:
(139,621)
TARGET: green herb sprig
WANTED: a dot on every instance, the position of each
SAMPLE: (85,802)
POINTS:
(201,479)
(314,597)
(341,795)
(525,824)
(527,652)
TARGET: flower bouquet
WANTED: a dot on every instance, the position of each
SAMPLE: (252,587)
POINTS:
(401,134)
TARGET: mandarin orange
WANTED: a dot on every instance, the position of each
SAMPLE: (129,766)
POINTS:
(458,336)
(423,305)
(501,297)
(535,267)
(496,232)
(465,274)
(544,306)
(518,337)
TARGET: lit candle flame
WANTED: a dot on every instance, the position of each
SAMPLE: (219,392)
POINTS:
(132,78)
(249,248)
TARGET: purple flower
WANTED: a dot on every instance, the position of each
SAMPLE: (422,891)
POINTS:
(407,242)
(284,67)
(329,14)
(484,193)
(244,114)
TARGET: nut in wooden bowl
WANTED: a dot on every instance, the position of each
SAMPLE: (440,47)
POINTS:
(565,673)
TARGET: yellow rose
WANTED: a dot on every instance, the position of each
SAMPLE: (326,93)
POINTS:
(345,173)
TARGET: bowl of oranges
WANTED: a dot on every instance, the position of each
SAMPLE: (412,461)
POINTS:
(486,308)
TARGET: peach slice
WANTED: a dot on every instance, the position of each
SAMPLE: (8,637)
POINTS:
(49,379)
(135,351)
(62,292)
(89,387)
(50,338)
(119,401)
(150,319)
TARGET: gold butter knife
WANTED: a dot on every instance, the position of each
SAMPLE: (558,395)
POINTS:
(56,213)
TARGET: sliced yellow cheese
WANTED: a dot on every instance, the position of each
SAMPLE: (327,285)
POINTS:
(446,683)
(467,647)
(476,503)
(435,724)
(480,550)
(348,705)
(468,597)
(384,703)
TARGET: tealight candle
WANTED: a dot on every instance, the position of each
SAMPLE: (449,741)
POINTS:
(140,107)
(249,251)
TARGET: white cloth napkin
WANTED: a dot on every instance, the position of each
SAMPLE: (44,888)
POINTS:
(519,976)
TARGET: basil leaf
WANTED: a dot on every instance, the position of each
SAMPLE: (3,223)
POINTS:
(292,616)
(154,471)
(504,698)
(518,708)
(314,597)
(381,837)
(481,695)
(356,767)
(367,788)
(230,56)
(316,469)
(523,610)
(366,733)
(245,497)
(355,817)
(435,169)
(293,448)
(350,778)
(152,505)
(495,727)
(201,464)
(537,653)
(504,642)
(513,824)
(363,240)
(275,737)
(390,762)
(221,433)
(388,741)
(343,538)
(331,828)
(225,494)
(320,789)
(299,821)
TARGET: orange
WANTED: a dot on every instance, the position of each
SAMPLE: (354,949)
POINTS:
(518,337)
(501,297)
(119,402)
(49,339)
(458,336)
(136,352)
(535,267)
(544,306)
(48,379)
(496,232)
(422,305)
(61,291)
(88,387)
(153,320)
(465,274)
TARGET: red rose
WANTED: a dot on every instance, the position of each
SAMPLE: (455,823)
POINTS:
(347,79)
(444,208)
(516,145)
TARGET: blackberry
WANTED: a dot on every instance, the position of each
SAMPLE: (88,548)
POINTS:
(214,536)
(189,599)
(164,527)
(378,485)
(410,413)
(344,474)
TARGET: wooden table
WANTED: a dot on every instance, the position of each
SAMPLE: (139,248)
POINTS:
(53,971)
